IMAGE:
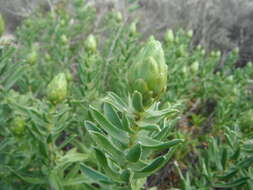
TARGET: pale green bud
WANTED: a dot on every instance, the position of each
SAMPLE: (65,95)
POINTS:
(148,74)
(199,47)
(18,125)
(32,57)
(57,89)
(189,33)
(184,70)
(203,52)
(64,39)
(230,78)
(236,50)
(218,53)
(91,43)
(169,36)
(2,25)
(195,66)
(132,29)
(118,17)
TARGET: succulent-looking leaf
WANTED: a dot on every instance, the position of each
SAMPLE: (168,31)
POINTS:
(113,131)
(137,101)
(95,175)
(151,168)
(134,153)
(110,148)
(232,184)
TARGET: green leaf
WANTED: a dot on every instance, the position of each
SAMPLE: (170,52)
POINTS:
(32,180)
(137,101)
(102,160)
(151,168)
(224,158)
(166,129)
(113,131)
(228,175)
(108,146)
(71,157)
(95,175)
(54,181)
(126,124)
(245,163)
(134,153)
(233,184)
(112,115)
(125,175)
(150,143)
(118,103)
(90,126)
(148,126)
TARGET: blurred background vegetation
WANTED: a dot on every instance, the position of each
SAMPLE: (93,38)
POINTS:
(217,24)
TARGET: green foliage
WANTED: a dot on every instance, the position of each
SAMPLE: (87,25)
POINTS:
(2,25)
(88,105)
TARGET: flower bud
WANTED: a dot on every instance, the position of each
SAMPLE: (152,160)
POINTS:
(169,36)
(184,70)
(190,34)
(32,57)
(132,29)
(148,75)
(2,25)
(91,44)
(57,89)
(218,53)
(203,52)
(118,17)
(236,50)
(18,125)
(246,120)
(230,78)
(64,39)
(199,47)
(68,74)
(195,67)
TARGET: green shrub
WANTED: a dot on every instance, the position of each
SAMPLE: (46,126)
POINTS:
(85,105)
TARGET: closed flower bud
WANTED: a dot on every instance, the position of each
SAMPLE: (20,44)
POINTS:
(236,50)
(132,29)
(218,53)
(2,25)
(190,33)
(91,44)
(199,47)
(18,125)
(68,74)
(195,66)
(213,54)
(118,17)
(57,89)
(148,74)
(64,39)
(230,78)
(203,52)
(246,120)
(32,57)
(169,36)
(185,70)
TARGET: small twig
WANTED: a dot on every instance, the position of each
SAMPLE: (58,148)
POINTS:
(50,4)
(111,51)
